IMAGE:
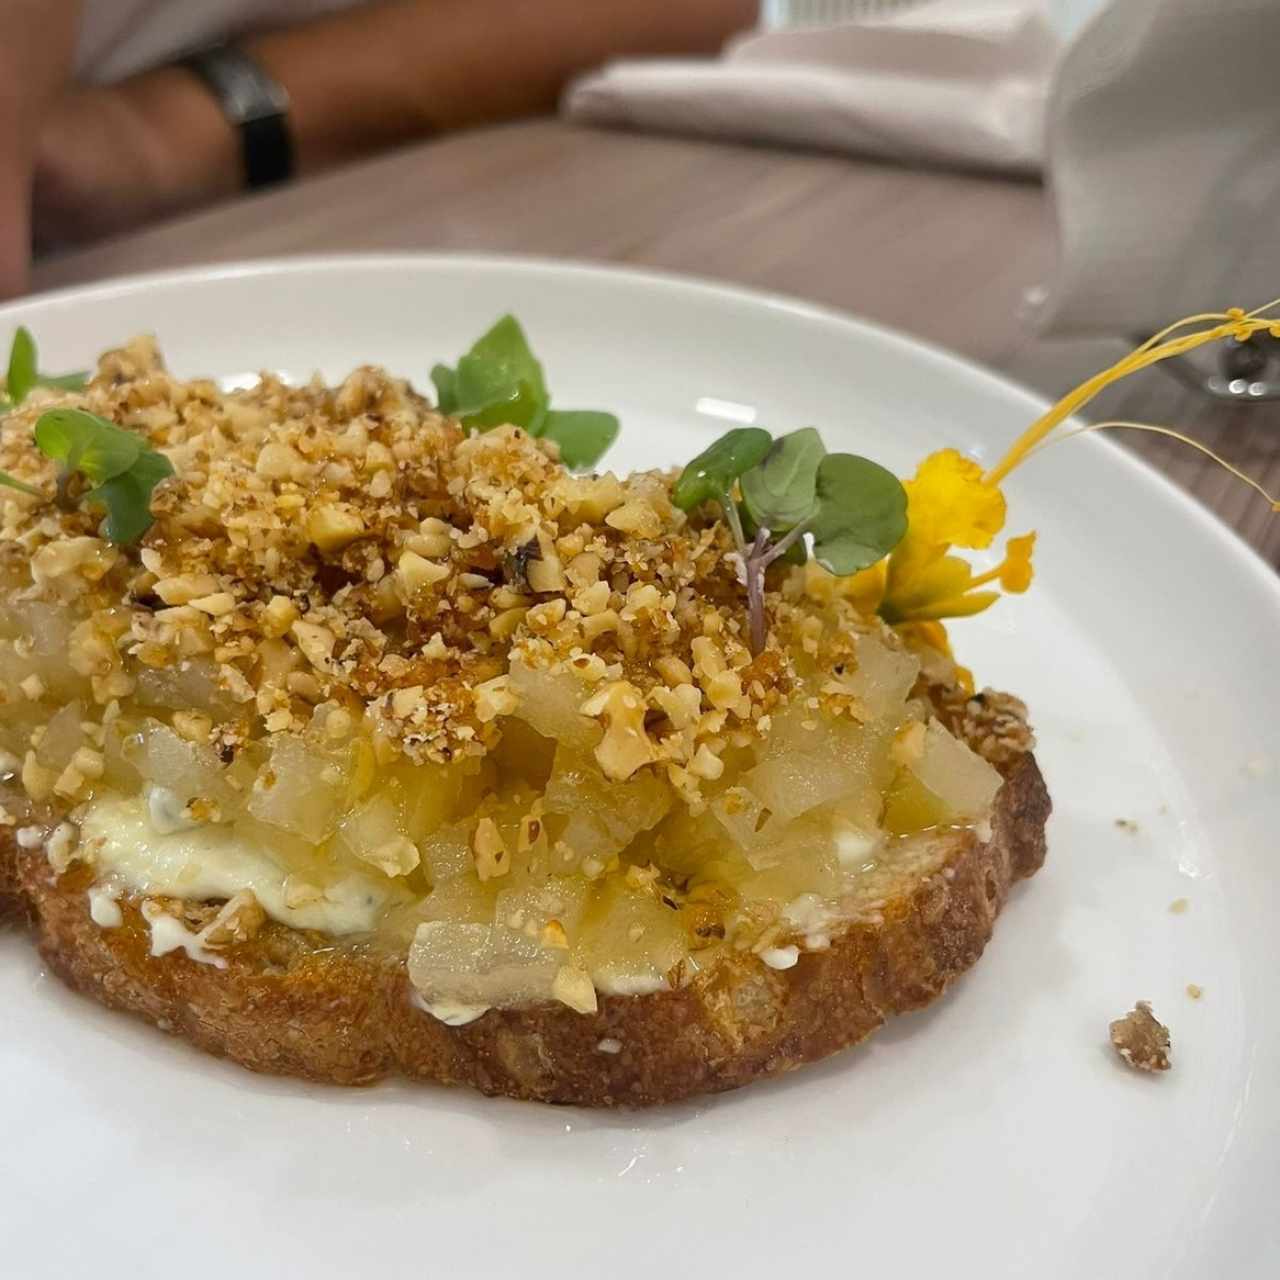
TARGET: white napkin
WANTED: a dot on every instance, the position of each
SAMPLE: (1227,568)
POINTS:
(1164,142)
(1163,129)
(959,82)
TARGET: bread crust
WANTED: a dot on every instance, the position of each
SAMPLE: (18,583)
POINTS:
(291,1003)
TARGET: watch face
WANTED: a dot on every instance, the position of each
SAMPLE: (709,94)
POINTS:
(247,91)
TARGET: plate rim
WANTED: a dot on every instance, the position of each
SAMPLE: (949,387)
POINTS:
(977,376)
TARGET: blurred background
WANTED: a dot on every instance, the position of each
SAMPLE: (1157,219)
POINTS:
(1033,183)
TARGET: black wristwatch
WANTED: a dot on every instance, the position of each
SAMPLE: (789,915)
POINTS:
(256,104)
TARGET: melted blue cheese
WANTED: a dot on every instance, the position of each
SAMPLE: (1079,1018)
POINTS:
(213,861)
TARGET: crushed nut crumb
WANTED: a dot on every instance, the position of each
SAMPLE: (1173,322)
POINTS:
(1141,1040)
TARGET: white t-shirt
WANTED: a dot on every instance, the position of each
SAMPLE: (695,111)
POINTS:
(119,37)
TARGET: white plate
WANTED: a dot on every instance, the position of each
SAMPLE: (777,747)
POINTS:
(995,1134)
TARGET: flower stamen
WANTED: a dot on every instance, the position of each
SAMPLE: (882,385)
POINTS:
(1233,323)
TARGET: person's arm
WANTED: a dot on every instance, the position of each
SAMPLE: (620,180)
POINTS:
(36,53)
(359,81)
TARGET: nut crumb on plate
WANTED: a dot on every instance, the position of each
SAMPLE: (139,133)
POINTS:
(1141,1040)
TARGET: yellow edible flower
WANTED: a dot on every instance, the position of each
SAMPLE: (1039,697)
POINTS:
(949,501)
(949,504)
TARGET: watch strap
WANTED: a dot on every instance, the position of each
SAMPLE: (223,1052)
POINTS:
(256,105)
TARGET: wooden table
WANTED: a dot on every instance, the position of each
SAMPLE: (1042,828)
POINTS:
(947,256)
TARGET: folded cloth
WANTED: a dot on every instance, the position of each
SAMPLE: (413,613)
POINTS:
(1164,123)
(1162,120)
(958,82)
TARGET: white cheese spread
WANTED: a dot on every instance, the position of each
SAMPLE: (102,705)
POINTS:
(168,933)
(780,957)
(104,910)
(167,813)
(213,861)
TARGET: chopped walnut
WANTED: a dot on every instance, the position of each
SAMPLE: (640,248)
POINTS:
(494,698)
(331,526)
(61,846)
(183,588)
(417,572)
(216,605)
(625,746)
(572,986)
(316,643)
(492,857)
(396,857)
(636,517)
(239,920)
(37,781)
(553,935)
(1140,1040)
(193,725)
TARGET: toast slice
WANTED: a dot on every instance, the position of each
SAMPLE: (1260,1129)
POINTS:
(289,1003)
(395,748)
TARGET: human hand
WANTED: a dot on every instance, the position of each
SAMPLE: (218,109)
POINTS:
(109,159)
(15,233)
(35,61)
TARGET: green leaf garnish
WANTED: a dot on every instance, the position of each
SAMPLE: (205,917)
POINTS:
(65,381)
(779,492)
(710,477)
(792,489)
(127,497)
(582,434)
(861,513)
(500,382)
(86,443)
(501,405)
(121,466)
(23,374)
(446,385)
(503,348)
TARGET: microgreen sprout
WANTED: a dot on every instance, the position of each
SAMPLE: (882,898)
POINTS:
(500,381)
(23,373)
(102,465)
(852,510)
